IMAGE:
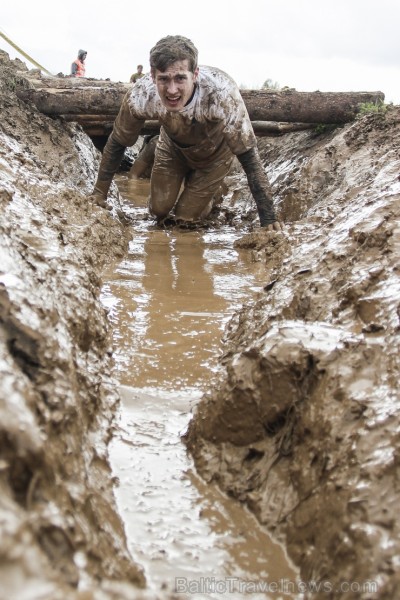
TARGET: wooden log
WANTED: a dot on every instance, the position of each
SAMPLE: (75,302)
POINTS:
(75,98)
(306,107)
(101,125)
(71,82)
(270,127)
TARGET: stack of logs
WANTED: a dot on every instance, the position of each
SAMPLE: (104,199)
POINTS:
(94,104)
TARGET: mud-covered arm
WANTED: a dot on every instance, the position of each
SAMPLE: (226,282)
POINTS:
(74,68)
(259,186)
(125,133)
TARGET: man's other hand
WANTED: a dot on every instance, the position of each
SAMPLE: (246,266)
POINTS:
(98,198)
(99,194)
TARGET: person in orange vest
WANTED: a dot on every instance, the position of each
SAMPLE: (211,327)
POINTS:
(78,66)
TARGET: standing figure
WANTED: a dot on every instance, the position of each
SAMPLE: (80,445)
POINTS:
(78,66)
(138,75)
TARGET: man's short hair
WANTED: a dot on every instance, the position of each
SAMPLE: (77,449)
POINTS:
(170,49)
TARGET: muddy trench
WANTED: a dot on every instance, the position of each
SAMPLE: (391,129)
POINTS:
(169,301)
(212,405)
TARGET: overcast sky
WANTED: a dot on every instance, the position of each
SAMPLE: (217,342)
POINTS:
(326,45)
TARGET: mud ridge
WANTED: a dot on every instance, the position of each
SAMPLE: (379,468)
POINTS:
(303,424)
(60,533)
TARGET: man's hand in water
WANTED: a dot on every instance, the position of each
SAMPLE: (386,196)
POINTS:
(274,226)
(99,194)
(98,199)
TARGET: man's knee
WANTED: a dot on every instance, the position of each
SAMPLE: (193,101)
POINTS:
(157,209)
(165,192)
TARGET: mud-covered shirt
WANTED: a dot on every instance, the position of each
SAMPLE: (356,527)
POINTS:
(215,120)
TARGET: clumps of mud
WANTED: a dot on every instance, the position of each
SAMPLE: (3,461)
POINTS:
(303,425)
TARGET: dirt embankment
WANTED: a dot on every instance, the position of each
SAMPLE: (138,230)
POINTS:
(303,424)
(60,535)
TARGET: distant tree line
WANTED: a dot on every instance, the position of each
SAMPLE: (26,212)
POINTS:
(269,84)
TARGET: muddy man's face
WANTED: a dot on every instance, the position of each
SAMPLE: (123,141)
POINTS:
(175,85)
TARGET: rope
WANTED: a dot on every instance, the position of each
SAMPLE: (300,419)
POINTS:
(31,60)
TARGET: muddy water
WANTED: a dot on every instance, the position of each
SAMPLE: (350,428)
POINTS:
(169,300)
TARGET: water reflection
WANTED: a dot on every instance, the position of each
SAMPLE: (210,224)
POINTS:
(169,300)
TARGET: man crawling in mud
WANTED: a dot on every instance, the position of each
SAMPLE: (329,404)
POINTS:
(204,124)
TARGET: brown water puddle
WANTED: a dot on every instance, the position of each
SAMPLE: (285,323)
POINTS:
(169,300)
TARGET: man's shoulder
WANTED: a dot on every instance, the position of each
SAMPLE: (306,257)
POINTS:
(218,91)
(143,99)
(218,78)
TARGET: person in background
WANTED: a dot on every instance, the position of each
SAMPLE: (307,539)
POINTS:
(204,125)
(78,66)
(138,75)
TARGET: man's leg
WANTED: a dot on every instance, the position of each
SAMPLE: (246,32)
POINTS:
(168,173)
(201,189)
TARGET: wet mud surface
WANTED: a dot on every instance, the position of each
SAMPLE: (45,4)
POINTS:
(169,300)
(300,419)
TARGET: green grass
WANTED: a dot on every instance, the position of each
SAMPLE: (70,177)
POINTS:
(368,108)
